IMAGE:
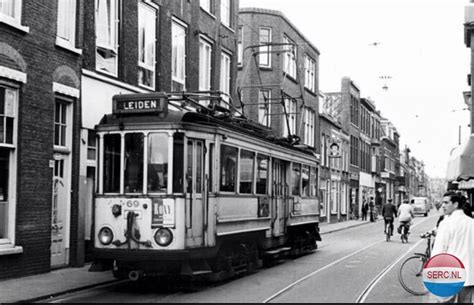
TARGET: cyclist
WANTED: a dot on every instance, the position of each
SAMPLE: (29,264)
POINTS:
(389,212)
(405,215)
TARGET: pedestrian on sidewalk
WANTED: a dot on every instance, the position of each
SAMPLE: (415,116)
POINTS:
(455,236)
(371,209)
(365,208)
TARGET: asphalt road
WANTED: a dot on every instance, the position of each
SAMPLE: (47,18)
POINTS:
(352,265)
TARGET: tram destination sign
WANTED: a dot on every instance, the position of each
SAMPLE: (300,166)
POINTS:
(140,103)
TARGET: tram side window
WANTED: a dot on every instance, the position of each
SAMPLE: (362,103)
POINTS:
(246,171)
(112,163)
(178,162)
(305,180)
(295,179)
(133,163)
(228,172)
(313,181)
(262,174)
(157,162)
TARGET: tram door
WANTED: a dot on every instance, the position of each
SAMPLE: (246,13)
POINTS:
(280,196)
(195,189)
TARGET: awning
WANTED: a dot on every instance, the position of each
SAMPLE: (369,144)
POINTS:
(461,164)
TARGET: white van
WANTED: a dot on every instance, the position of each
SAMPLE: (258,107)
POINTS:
(421,205)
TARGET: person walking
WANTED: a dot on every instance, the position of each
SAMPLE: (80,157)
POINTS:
(365,208)
(455,236)
(371,209)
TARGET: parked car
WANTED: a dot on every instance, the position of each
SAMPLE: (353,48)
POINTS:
(421,205)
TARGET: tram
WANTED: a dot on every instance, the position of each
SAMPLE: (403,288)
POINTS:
(188,187)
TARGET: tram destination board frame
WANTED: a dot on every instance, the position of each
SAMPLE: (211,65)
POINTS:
(140,103)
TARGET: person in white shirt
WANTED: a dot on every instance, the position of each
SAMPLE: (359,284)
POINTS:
(405,215)
(455,236)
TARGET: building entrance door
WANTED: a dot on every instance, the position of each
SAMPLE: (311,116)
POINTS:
(59,213)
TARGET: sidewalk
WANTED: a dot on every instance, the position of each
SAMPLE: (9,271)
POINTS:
(58,282)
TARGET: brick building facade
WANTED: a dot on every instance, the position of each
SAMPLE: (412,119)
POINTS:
(39,108)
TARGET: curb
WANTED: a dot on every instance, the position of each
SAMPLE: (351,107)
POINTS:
(344,228)
(54,295)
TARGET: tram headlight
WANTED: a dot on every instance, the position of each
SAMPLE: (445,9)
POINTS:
(163,237)
(106,236)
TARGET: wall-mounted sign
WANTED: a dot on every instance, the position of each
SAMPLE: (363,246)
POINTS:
(140,103)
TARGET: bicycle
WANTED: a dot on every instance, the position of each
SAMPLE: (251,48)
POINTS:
(404,232)
(410,273)
(388,231)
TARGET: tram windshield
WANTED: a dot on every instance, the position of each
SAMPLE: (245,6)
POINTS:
(145,161)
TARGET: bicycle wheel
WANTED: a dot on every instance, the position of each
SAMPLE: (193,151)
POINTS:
(410,275)
(389,233)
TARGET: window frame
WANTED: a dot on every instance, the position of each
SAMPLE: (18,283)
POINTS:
(309,122)
(15,19)
(240,46)
(8,242)
(67,103)
(226,17)
(68,18)
(112,46)
(310,73)
(291,106)
(264,108)
(290,56)
(180,45)
(225,75)
(265,55)
(205,69)
(142,64)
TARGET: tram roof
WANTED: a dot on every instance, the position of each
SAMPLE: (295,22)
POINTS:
(240,125)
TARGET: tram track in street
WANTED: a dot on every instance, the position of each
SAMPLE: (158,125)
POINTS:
(366,291)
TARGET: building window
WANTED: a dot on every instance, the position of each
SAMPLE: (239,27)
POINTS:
(146,45)
(91,144)
(66,29)
(8,123)
(264,107)
(309,116)
(178,56)
(11,9)
(309,73)
(225,12)
(289,63)
(206,5)
(205,51)
(60,123)
(290,111)
(225,77)
(265,37)
(106,20)
(323,150)
(240,46)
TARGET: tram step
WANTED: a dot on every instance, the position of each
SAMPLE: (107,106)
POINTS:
(277,251)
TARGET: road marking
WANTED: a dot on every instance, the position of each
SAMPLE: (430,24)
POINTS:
(282,291)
